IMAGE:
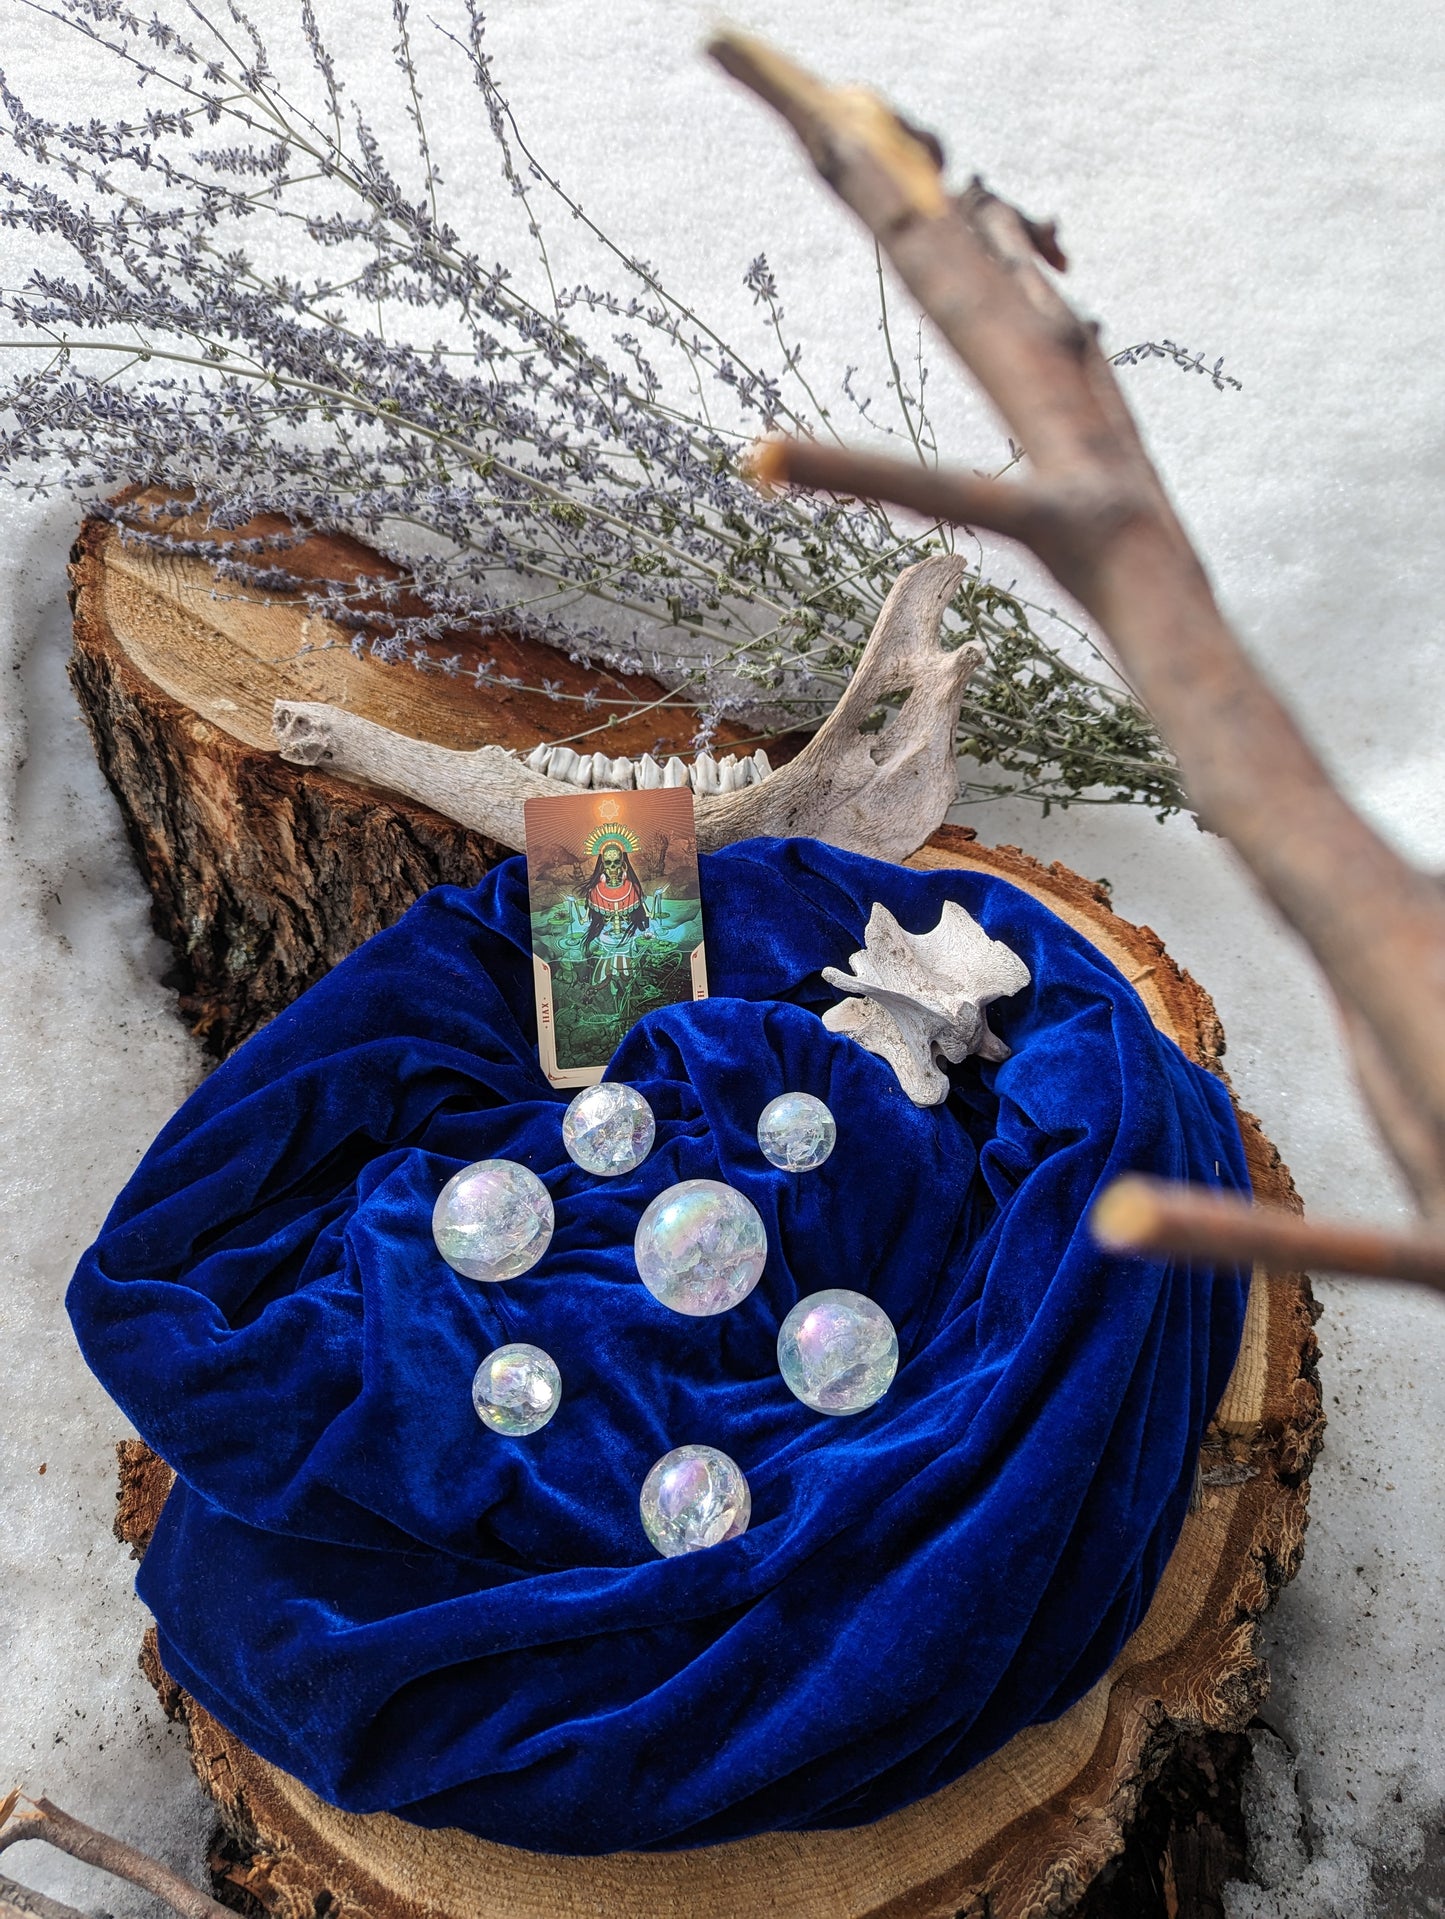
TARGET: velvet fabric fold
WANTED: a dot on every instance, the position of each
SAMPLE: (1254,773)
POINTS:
(410,1612)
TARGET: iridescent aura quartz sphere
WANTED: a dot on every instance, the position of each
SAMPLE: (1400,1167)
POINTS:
(700,1247)
(493,1220)
(608,1129)
(797,1132)
(694,1497)
(837,1351)
(516,1390)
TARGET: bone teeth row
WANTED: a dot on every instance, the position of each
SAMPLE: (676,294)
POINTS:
(596,770)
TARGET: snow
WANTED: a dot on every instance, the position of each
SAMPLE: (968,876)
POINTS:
(1258,183)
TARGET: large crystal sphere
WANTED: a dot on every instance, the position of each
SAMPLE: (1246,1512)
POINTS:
(608,1129)
(797,1132)
(700,1247)
(493,1220)
(694,1497)
(838,1351)
(517,1389)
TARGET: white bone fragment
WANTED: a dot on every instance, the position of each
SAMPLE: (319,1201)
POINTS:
(539,757)
(619,774)
(727,774)
(876,793)
(921,996)
(761,766)
(649,774)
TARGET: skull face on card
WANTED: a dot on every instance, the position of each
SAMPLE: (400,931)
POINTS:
(616,914)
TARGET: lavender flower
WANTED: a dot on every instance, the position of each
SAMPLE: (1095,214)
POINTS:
(549,467)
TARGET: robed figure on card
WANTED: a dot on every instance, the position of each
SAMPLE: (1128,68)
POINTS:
(613,895)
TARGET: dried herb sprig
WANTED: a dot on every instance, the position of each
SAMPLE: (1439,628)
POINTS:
(529,461)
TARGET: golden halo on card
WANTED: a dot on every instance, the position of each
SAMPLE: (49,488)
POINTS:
(601,836)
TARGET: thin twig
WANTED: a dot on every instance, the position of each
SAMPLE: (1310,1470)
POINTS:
(964,499)
(1139,1215)
(70,1835)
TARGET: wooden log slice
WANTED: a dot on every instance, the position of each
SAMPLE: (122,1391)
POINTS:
(264,875)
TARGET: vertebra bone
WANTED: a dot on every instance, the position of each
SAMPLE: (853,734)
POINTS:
(921,997)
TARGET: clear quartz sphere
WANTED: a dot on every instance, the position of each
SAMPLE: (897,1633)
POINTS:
(700,1247)
(493,1220)
(797,1132)
(837,1351)
(694,1497)
(608,1129)
(517,1389)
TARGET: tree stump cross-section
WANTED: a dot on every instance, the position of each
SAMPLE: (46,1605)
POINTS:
(263,876)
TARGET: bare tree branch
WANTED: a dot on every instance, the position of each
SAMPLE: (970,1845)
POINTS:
(58,1829)
(1139,1215)
(1096,514)
(1026,513)
(19,1902)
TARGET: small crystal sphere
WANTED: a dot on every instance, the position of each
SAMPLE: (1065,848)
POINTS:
(837,1351)
(796,1132)
(608,1129)
(694,1497)
(517,1389)
(700,1247)
(493,1220)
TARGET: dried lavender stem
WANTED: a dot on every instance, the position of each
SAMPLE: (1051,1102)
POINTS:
(557,486)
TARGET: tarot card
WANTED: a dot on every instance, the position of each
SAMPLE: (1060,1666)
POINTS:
(616,920)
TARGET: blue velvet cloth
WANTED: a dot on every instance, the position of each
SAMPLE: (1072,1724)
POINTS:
(409,1612)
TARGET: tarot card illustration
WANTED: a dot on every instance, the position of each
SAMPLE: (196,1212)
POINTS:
(616,920)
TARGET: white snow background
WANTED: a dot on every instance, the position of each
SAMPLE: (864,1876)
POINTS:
(1258,182)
